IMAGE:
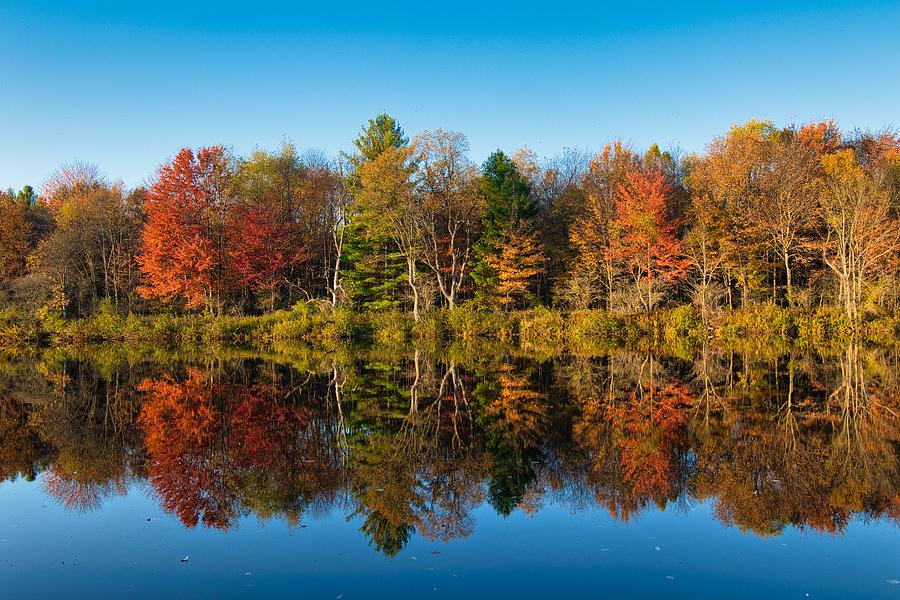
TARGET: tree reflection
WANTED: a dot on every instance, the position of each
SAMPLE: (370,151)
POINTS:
(411,444)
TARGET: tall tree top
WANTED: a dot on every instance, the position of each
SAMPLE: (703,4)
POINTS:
(27,196)
(381,133)
(506,192)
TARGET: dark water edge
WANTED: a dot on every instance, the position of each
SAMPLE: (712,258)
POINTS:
(481,470)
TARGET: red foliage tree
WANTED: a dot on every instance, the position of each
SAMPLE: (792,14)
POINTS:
(183,254)
(648,243)
(262,246)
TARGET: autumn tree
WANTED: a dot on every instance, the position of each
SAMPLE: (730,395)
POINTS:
(862,230)
(556,184)
(262,247)
(184,252)
(387,202)
(648,242)
(702,251)
(727,181)
(509,212)
(90,252)
(786,206)
(516,266)
(339,202)
(15,238)
(451,208)
(592,233)
(375,268)
(70,178)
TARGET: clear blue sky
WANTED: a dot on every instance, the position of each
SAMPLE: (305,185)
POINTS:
(125,86)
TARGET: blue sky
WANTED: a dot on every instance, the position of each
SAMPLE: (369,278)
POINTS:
(124,86)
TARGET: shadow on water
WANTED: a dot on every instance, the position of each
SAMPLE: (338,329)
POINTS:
(409,442)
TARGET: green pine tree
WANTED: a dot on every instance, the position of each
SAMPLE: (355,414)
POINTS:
(375,275)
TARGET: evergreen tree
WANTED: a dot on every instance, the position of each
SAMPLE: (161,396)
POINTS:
(375,273)
(510,210)
(381,133)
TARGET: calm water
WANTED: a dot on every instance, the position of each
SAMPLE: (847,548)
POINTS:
(482,473)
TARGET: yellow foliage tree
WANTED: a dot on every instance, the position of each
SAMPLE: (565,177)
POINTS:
(517,265)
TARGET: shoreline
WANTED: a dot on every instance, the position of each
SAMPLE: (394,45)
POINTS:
(540,328)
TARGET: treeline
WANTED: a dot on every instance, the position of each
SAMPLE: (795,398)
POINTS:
(804,216)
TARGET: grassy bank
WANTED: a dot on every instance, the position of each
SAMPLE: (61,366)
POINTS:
(315,323)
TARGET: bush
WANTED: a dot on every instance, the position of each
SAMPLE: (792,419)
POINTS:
(291,328)
(390,327)
(684,321)
(232,329)
(17,336)
(340,325)
(473,320)
(542,325)
(758,321)
(432,326)
(588,327)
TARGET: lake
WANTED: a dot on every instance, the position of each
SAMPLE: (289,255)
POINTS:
(474,471)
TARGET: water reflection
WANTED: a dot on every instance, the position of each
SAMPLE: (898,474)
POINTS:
(410,443)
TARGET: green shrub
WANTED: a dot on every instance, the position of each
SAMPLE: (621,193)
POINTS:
(390,327)
(473,320)
(542,325)
(432,326)
(341,324)
(587,327)
(684,321)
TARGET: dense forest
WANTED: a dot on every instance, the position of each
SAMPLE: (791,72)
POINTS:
(802,217)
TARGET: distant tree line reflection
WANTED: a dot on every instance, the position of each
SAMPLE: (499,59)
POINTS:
(407,443)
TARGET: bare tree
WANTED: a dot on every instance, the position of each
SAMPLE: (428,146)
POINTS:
(786,207)
(862,234)
(451,208)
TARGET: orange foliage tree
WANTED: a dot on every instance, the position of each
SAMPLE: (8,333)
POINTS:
(517,264)
(648,243)
(183,254)
(593,234)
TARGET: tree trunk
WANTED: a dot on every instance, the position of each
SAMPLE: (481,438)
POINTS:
(336,274)
(787,274)
(411,279)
